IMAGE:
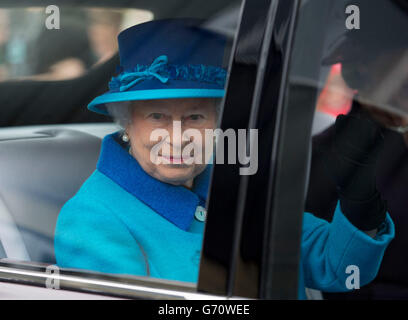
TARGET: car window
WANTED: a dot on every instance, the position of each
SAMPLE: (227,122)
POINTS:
(157,90)
(32,49)
(58,51)
(359,140)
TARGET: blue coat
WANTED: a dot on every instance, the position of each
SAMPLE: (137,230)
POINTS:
(124,221)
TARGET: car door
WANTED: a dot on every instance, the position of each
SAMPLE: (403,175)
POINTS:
(257,22)
(252,236)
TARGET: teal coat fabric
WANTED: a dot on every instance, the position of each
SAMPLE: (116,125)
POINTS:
(124,221)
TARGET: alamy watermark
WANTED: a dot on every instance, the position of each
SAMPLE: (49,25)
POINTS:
(52,281)
(191,146)
(353,280)
(52,21)
(353,18)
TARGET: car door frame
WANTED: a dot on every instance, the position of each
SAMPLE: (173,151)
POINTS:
(270,24)
(267,63)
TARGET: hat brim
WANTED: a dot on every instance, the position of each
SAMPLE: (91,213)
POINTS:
(98,104)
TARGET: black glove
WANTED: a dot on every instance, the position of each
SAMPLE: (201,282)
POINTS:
(352,163)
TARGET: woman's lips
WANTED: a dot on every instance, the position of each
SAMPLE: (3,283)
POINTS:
(174,160)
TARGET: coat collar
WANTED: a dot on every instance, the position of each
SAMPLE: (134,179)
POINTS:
(175,203)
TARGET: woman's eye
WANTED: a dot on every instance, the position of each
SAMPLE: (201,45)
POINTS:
(195,117)
(156,116)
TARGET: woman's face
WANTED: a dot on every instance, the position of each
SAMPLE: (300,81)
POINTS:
(150,116)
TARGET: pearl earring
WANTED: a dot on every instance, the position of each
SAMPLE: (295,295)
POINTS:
(125,137)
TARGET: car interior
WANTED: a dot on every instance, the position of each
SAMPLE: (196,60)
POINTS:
(49,142)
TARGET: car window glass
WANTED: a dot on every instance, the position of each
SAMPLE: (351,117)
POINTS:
(31,49)
(360,131)
(152,101)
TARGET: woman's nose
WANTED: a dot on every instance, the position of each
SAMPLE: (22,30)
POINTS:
(177,139)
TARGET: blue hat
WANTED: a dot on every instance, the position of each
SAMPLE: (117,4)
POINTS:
(163,59)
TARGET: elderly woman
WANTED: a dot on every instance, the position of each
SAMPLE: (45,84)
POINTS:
(142,211)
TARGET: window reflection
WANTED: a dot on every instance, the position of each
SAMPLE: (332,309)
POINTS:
(367,82)
(28,50)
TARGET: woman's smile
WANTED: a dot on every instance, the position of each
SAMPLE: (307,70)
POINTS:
(175,159)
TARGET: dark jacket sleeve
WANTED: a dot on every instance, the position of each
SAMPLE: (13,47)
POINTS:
(322,194)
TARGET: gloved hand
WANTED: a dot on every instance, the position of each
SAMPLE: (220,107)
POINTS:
(352,163)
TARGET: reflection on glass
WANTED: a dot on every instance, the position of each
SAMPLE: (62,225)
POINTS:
(28,50)
(361,154)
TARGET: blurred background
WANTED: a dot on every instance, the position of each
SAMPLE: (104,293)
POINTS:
(87,37)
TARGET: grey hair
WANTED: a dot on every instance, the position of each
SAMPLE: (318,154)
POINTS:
(121,111)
